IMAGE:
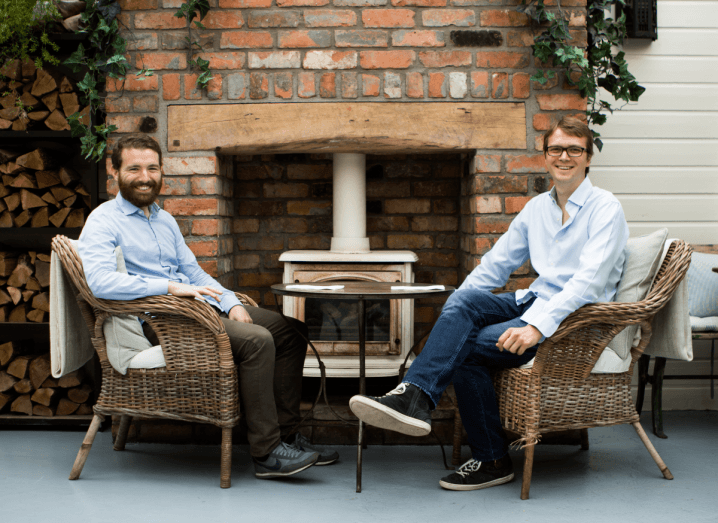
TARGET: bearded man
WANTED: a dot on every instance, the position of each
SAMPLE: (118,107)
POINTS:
(268,351)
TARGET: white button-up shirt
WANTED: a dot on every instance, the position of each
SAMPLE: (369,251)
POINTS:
(578,262)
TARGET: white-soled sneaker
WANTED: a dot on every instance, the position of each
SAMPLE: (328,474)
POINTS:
(284,460)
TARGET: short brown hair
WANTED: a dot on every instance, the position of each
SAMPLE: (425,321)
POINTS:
(573,127)
(134,141)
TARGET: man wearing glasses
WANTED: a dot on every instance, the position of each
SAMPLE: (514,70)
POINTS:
(575,236)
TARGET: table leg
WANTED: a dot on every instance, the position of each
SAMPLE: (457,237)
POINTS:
(362,386)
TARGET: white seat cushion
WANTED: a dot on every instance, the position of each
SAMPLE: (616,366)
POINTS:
(709,324)
(151,358)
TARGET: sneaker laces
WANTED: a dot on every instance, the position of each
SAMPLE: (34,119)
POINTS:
(285,451)
(401,389)
(301,441)
(467,468)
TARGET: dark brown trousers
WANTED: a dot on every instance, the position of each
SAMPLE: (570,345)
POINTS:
(270,358)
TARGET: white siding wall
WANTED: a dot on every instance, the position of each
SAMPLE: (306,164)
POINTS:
(660,156)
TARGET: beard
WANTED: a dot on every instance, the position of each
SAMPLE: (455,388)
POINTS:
(136,198)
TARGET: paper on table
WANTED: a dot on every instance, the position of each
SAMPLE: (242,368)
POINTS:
(415,288)
(316,287)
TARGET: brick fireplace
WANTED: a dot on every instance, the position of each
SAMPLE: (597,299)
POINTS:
(246,185)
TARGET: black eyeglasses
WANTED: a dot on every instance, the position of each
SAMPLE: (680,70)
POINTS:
(573,151)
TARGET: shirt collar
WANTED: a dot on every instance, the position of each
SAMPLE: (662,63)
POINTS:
(580,195)
(128,208)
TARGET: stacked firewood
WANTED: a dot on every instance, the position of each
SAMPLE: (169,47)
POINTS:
(36,99)
(24,287)
(27,386)
(37,192)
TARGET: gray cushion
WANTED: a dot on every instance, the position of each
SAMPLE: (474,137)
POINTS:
(702,285)
(643,258)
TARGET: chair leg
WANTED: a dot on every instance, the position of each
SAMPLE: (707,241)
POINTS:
(528,468)
(458,432)
(85,447)
(225,474)
(584,439)
(657,397)
(652,450)
(643,363)
(122,431)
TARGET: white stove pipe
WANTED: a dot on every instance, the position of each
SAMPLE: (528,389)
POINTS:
(350,203)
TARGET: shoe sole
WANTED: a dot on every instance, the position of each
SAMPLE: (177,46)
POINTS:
(454,486)
(378,415)
(327,462)
(267,475)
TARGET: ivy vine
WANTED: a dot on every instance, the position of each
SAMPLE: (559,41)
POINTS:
(189,11)
(596,67)
(24,31)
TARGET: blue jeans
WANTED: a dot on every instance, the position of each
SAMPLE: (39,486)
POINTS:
(462,348)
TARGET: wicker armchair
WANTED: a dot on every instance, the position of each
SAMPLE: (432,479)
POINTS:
(199,382)
(559,393)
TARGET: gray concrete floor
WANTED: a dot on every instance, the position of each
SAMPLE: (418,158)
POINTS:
(615,481)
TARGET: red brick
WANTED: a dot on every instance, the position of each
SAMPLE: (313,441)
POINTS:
(436,189)
(520,38)
(445,17)
(158,21)
(239,4)
(133,83)
(274,60)
(246,261)
(407,206)
(287,225)
(301,39)
(350,86)
(329,18)
(273,18)
(245,225)
(480,84)
(485,204)
(502,59)
(526,164)
(445,58)
(418,3)
(260,243)
(521,85)
(414,85)
(445,207)
(246,39)
(503,18)
(386,59)
(480,246)
(418,39)
(217,19)
(191,92)
(174,186)
(361,38)
(171,86)
(307,208)
(409,241)
(125,124)
(387,223)
(204,248)
(226,60)
(308,242)
(192,207)
(376,189)
(437,259)
(258,86)
(328,85)
(184,165)
(330,60)
(437,87)
(206,227)
(117,105)
(145,104)
(301,3)
(202,185)
(159,60)
(283,85)
(370,85)
(306,87)
(388,18)
(499,184)
(434,223)
(136,5)
(258,280)
(561,102)
(514,204)
(286,190)
(543,122)
(491,225)
(500,85)
(487,163)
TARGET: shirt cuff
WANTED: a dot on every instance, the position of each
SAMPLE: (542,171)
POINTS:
(542,321)
(157,287)
(228,301)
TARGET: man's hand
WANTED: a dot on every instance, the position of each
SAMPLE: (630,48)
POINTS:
(239,313)
(193,291)
(517,340)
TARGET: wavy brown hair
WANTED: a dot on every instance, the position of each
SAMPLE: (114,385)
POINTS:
(134,141)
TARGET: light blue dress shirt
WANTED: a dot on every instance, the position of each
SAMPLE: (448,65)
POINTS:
(578,262)
(154,250)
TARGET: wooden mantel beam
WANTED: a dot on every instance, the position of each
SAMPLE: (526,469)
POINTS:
(367,127)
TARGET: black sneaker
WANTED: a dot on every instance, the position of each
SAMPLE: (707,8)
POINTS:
(475,475)
(406,409)
(326,456)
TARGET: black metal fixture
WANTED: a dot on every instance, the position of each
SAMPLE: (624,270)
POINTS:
(640,18)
